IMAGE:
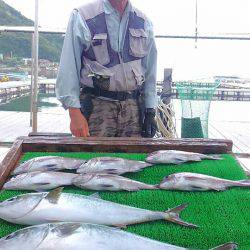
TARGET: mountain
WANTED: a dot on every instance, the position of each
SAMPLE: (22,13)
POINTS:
(50,45)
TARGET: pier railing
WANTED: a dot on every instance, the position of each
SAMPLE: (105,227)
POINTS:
(223,93)
(12,90)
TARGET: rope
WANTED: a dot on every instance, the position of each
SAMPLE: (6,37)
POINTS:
(165,119)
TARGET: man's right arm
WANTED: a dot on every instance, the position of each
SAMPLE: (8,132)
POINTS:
(68,80)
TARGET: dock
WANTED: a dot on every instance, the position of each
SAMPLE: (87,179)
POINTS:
(222,125)
(14,89)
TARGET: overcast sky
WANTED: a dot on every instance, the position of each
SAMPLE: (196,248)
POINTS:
(211,57)
(168,16)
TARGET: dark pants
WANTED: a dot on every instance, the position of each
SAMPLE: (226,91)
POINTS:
(114,118)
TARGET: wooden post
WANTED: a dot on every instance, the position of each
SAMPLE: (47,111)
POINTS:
(36,41)
(32,79)
(167,86)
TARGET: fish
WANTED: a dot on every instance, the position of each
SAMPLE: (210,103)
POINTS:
(39,181)
(56,206)
(199,182)
(84,236)
(177,157)
(112,165)
(109,182)
(48,163)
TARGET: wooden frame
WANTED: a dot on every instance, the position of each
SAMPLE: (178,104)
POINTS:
(64,143)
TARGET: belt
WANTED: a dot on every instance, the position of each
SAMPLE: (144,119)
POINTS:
(114,95)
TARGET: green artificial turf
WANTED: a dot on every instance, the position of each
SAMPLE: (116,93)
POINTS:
(221,216)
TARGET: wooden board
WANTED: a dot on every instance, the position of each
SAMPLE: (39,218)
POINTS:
(131,145)
(10,160)
(61,143)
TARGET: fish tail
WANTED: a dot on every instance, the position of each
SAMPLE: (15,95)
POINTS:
(154,186)
(243,183)
(173,215)
(213,157)
(226,246)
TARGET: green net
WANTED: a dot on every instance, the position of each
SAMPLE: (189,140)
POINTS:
(195,101)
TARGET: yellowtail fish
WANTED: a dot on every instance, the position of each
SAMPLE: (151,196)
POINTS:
(77,236)
(55,206)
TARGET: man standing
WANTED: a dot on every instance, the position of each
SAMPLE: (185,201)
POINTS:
(107,74)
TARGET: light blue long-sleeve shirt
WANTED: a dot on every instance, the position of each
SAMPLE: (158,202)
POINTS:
(78,37)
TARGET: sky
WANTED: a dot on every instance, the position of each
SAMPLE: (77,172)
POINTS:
(176,17)
(168,16)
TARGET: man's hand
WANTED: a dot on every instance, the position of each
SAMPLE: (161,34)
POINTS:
(78,124)
(149,126)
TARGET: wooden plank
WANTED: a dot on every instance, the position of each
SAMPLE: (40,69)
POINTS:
(45,134)
(10,160)
(235,131)
(127,145)
(244,162)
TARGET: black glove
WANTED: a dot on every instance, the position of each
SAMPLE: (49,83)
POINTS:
(149,126)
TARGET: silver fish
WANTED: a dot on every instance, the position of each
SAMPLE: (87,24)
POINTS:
(77,236)
(55,206)
(48,163)
(177,157)
(39,181)
(199,182)
(109,182)
(112,165)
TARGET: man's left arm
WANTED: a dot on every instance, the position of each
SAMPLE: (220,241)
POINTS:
(150,64)
(149,126)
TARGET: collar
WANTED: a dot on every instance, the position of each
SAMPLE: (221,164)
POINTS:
(109,9)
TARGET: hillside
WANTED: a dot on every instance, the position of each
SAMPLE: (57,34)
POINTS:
(19,43)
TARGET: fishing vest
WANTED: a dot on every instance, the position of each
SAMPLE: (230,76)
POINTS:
(125,68)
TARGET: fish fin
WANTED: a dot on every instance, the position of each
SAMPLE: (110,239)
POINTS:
(50,166)
(54,195)
(67,229)
(111,171)
(106,186)
(121,226)
(175,216)
(226,246)
(178,161)
(40,190)
(95,195)
(40,187)
(132,189)
(43,183)
(44,235)
(220,188)
(195,188)
(194,178)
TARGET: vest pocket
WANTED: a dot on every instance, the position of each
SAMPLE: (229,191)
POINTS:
(100,48)
(138,40)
